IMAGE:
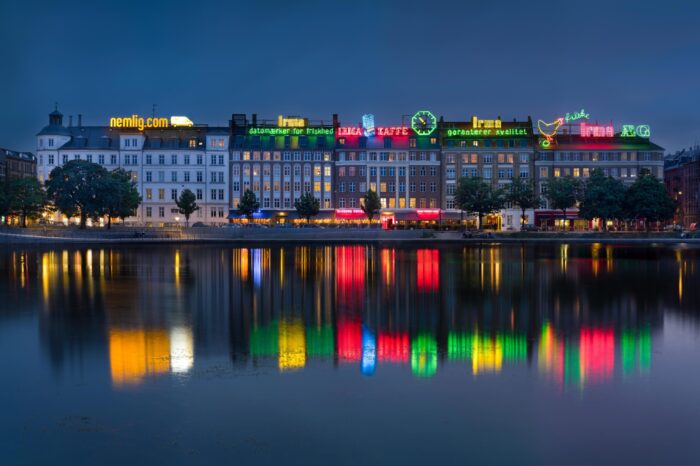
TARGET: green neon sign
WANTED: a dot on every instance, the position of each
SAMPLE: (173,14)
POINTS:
(423,122)
(632,131)
(285,131)
(502,132)
(576,116)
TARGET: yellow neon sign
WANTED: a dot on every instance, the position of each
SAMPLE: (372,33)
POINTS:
(141,123)
(291,122)
(489,124)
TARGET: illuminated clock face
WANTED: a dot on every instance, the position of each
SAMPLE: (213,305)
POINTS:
(423,122)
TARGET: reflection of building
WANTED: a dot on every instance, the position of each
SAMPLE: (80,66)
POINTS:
(134,354)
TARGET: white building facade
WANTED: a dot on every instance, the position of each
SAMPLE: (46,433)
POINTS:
(162,161)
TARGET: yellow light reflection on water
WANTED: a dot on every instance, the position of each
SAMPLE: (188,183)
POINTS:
(133,354)
(181,349)
(292,345)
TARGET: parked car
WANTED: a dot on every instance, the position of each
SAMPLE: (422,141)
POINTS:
(198,224)
(529,227)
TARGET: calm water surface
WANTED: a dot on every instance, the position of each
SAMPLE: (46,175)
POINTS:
(554,354)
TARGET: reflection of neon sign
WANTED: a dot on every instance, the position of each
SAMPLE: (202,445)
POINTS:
(486,132)
(597,131)
(380,131)
(291,131)
(368,124)
(576,116)
(631,131)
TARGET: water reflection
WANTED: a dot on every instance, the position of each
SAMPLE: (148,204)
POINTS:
(576,315)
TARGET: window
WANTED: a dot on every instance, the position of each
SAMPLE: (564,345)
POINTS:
(186,159)
(199,194)
(543,172)
(187,177)
(173,176)
(149,194)
(173,159)
(149,177)
(149,211)
(161,159)
(100,159)
(161,212)
(161,194)
(487,173)
(173,194)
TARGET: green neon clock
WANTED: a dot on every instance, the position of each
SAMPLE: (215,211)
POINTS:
(423,123)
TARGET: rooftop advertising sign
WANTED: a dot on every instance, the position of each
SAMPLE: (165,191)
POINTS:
(286,131)
(141,123)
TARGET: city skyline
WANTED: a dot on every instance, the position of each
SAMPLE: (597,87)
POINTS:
(620,62)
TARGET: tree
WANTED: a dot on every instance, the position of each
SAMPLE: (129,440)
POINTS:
(603,198)
(475,196)
(75,189)
(523,193)
(563,193)
(120,196)
(647,199)
(187,204)
(371,205)
(307,206)
(249,204)
(27,199)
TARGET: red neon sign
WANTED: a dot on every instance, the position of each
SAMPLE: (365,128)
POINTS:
(428,214)
(596,131)
(349,213)
(380,131)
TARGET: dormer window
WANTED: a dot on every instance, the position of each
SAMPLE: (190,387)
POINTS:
(192,143)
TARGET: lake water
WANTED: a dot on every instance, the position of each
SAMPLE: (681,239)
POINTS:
(348,355)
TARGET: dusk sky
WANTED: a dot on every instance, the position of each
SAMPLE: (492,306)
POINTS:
(629,62)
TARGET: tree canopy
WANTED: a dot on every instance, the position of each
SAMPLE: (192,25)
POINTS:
(249,204)
(75,189)
(474,196)
(647,199)
(187,204)
(523,194)
(27,199)
(307,206)
(603,198)
(119,195)
(563,193)
(371,205)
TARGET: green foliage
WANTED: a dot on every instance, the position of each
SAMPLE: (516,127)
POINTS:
(523,193)
(563,192)
(27,199)
(603,198)
(119,195)
(249,204)
(187,204)
(4,200)
(475,196)
(371,205)
(307,206)
(75,189)
(648,199)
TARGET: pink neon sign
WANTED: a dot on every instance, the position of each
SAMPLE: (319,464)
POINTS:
(380,131)
(596,131)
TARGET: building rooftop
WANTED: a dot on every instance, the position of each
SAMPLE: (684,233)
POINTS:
(13,154)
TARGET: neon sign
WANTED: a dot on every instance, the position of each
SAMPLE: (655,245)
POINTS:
(597,131)
(639,131)
(487,132)
(137,122)
(476,123)
(549,130)
(380,131)
(290,131)
(180,121)
(576,116)
(368,124)
(423,122)
(291,122)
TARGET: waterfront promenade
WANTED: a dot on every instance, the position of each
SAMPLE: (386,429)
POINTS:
(137,235)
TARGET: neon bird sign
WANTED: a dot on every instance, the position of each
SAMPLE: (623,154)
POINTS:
(549,130)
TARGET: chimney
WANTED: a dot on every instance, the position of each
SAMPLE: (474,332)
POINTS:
(70,121)
(335,120)
(255,119)
(80,120)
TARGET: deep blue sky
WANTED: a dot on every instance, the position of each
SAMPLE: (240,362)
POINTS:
(633,62)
